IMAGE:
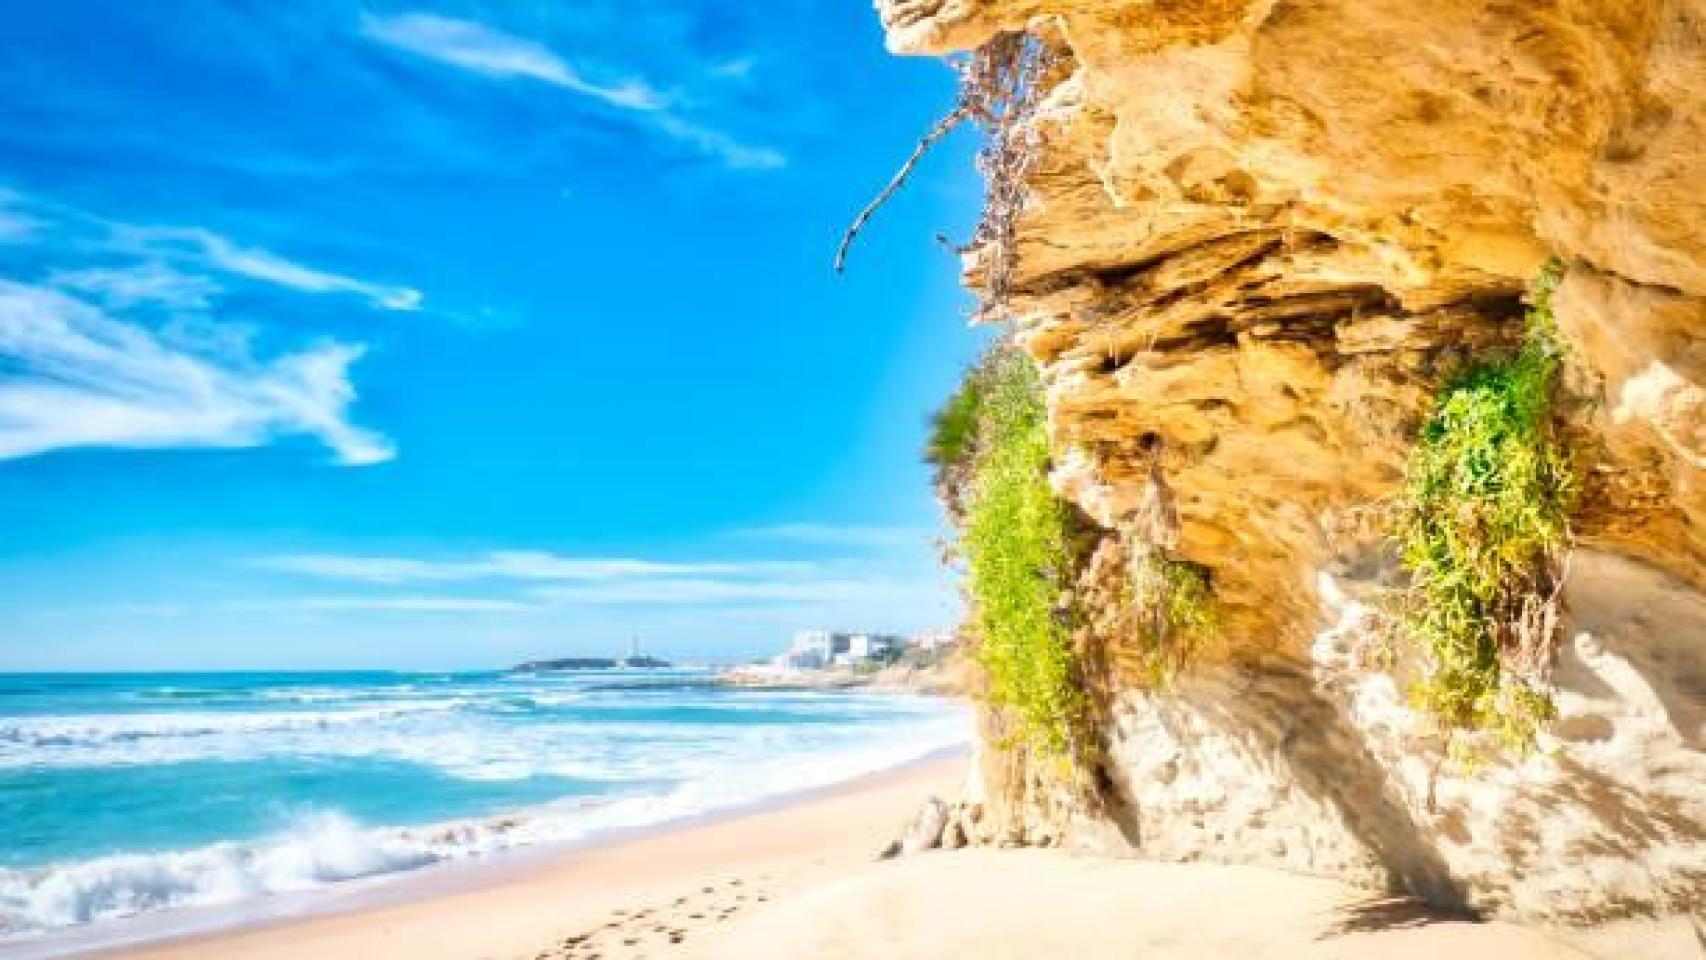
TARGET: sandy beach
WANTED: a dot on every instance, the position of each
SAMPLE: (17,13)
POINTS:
(803,881)
(676,885)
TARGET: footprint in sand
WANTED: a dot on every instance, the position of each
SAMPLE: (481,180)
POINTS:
(643,930)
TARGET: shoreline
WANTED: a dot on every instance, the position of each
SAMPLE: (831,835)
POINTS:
(799,876)
(341,911)
(946,679)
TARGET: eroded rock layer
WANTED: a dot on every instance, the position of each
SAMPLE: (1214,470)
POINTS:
(1256,237)
(1259,232)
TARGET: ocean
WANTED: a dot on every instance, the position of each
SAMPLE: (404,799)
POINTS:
(131,794)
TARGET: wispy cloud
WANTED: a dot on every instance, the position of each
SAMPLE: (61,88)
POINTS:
(660,592)
(418,603)
(218,252)
(121,288)
(732,152)
(77,376)
(167,258)
(515,581)
(117,341)
(524,565)
(481,49)
(701,591)
(840,535)
(434,604)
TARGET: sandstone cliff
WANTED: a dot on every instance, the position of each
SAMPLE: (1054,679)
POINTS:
(1253,238)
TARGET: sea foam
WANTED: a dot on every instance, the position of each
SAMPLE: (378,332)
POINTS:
(631,756)
(325,848)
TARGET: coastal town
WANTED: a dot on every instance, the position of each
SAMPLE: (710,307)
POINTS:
(828,649)
(927,662)
(817,651)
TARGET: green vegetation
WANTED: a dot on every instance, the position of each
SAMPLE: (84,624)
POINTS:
(1484,520)
(954,428)
(1175,606)
(1017,540)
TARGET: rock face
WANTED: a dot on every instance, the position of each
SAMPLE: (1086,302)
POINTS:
(924,832)
(1256,235)
(1322,768)
(1259,231)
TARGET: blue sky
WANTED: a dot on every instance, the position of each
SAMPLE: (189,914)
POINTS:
(433,336)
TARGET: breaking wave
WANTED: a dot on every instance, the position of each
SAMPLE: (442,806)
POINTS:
(651,757)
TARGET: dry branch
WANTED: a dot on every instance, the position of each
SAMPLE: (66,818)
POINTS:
(940,130)
(1001,84)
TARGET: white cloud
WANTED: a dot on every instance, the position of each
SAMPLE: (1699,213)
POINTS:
(532,565)
(522,565)
(78,377)
(220,253)
(841,535)
(414,604)
(163,253)
(481,49)
(867,592)
(689,591)
(121,288)
(478,48)
(732,152)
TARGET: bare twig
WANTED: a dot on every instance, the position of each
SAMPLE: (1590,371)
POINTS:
(940,130)
(1001,83)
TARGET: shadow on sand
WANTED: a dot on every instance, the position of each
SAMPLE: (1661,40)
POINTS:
(1375,914)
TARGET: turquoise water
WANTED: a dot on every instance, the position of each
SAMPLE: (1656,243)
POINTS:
(130,794)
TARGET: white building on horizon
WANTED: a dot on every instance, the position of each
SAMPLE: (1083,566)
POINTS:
(867,646)
(819,649)
(811,650)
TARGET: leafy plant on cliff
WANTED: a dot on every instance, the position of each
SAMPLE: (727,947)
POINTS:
(953,427)
(1017,540)
(952,443)
(1482,529)
(1175,608)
